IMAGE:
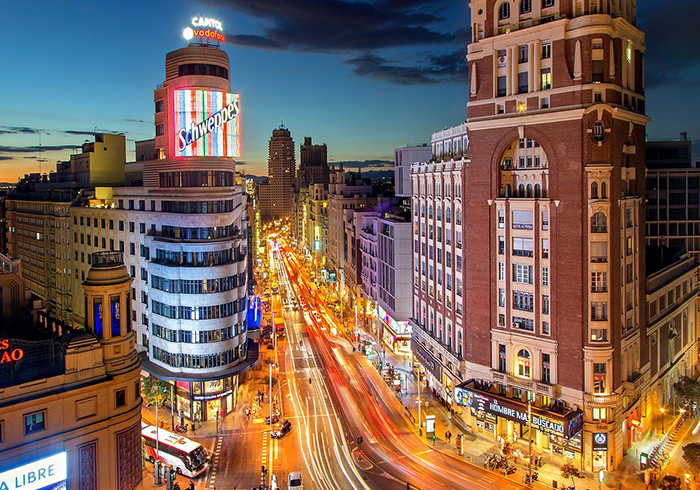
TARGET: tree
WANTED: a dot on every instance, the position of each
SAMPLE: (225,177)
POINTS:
(155,390)
(506,448)
(687,388)
(568,470)
(691,455)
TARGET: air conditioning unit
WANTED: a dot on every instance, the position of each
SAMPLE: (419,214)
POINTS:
(516,324)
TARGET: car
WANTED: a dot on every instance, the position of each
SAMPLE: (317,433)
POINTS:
(294,481)
(282,430)
(670,482)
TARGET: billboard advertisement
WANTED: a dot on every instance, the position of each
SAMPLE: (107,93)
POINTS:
(207,124)
(44,474)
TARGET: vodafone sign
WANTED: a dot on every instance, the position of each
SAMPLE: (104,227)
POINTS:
(204,27)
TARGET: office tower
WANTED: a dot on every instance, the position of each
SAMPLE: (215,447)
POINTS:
(313,164)
(548,311)
(276,200)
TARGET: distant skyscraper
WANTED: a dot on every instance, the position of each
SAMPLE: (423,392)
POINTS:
(281,169)
(313,166)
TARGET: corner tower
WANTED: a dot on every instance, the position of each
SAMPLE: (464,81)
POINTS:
(554,180)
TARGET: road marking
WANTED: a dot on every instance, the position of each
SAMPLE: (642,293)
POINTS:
(211,477)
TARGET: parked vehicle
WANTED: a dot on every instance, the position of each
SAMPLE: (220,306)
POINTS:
(670,482)
(294,481)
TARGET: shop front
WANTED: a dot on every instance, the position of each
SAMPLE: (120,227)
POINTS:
(395,335)
(599,445)
(203,400)
(496,415)
(428,366)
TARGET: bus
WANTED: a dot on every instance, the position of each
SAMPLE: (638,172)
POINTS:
(187,457)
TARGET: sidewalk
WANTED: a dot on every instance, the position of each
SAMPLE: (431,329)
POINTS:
(628,475)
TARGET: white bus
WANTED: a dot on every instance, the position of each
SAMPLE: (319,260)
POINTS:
(186,456)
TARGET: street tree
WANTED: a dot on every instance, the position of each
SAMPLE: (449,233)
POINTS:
(155,391)
(568,470)
(691,455)
(687,388)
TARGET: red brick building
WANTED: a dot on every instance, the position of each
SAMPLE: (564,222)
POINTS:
(553,269)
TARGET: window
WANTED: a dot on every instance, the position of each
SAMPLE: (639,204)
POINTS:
(159,106)
(34,422)
(545,248)
(523,53)
(547,3)
(120,397)
(522,220)
(501,245)
(600,414)
(522,274)
(142,228)
(121,225)
(545,220)
(599,311)
(599,223)
(599,282)
(545,78)
(522,247)
(524,363)
(522,82)
(546,369)
(546,50)
(545,304)
(501,86)
(597,70)
(501,297)
(502,358)
(523,301)
(599,335)
(501,218)
(131,224)
(501,271)
(599,378)
(504,11)
(545,328)
(525,6)
(160,131)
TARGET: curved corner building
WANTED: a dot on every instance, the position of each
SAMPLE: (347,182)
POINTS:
(196,240)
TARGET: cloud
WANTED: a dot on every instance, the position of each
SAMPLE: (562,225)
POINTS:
(354,164)
(19,130)
(672,47)
(442,68)
(6,157)
(335,25)
(36,148)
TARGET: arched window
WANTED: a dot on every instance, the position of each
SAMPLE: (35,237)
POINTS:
(604,190)
(458,216)
(422,210)
(525,6)
(599,223)
(594,190)
(538,190)
(504,11)
(524,363)
(430,211)
(529,190)
(508,191)
(438,212)
(448,212)
(521,190)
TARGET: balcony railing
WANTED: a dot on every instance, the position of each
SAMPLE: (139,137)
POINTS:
(600,400)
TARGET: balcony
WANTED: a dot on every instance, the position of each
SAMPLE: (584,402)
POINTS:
(590,401)
(540,388)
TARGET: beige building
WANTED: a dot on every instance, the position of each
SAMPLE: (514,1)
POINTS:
(71,405)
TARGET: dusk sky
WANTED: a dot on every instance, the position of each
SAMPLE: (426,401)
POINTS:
(363,77)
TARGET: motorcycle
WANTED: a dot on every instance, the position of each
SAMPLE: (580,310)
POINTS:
(510,469)
(181,429)
(531,477)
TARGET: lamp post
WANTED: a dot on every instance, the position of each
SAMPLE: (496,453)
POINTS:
(529,436)
(420,402)
(662,420)
(270,392)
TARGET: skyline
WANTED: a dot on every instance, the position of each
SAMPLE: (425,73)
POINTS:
(391,78)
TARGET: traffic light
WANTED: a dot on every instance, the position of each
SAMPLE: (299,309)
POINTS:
(263,470)
(360,440)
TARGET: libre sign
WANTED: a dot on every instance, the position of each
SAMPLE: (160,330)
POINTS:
(207,123)
(36,475)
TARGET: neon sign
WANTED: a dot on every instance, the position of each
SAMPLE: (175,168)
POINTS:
(44,473)
(199,23)
(9,355)
(207,123)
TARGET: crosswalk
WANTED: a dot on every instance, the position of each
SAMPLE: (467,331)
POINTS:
(215,463)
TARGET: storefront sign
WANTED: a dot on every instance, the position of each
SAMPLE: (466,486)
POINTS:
(209,396)
(39,474)
(207,123)
(600,441)
(7,354)
(426,359)
(545,422)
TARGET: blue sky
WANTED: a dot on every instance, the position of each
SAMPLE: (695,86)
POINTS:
(364,78)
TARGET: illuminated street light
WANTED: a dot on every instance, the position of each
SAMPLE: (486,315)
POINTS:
(662,420)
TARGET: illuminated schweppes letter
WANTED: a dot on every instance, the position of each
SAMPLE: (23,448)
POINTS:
(211,124)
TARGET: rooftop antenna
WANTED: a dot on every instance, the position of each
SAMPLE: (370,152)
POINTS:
(282,123)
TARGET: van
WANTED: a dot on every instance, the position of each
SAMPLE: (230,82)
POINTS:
(294,481)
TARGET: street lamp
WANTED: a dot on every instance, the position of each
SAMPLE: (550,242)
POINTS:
(662,420)
(270,392)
